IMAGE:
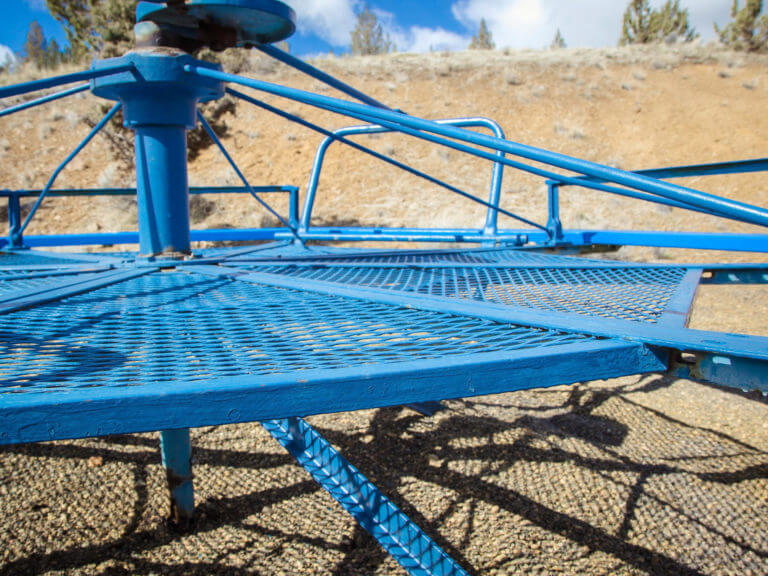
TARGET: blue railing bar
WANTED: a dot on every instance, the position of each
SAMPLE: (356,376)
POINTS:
(240,175)
(471,237)
(44,100)
(400,537)
(716,169)
(499,158)
(127,238)
(26,87)
(317,74)
(62,192)
(533,170)
(103,122)
(745,212)
(491,224)
(687,240)
(683,339)
(552,176)
(377,155)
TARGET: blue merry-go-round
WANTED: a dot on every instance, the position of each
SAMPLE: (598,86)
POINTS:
(169,338)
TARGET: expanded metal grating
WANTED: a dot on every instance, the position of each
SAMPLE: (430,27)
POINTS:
(31,258)
(179,326)
(12,283)
(639,293)
(457,257)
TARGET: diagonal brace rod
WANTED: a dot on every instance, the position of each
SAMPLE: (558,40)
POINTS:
(240,174)
(397,534)
(723,206)
(379,156)
(44,100)
(96,129)
(317,74)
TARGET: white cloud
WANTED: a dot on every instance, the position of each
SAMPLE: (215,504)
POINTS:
(420,38)
(533,23)
(7,57)
(334,20)
(330,20)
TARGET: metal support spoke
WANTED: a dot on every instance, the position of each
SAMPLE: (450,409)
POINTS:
(382,157)
(44,99)
(26,87)
(96,129)
(419,127)
(240,175)
(396,533)
(325,78)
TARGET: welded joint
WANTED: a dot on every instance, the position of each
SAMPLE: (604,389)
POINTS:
(746,374)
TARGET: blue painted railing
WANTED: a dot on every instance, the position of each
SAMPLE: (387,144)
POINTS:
(16,239)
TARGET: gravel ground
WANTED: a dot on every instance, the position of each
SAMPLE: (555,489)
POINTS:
(632,476)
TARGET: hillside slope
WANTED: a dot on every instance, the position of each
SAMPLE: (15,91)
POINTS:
(629,107)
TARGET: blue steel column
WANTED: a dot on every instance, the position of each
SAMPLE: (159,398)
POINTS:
(554,225)
(160,104)
(15,239)
(162,189)
(176,451)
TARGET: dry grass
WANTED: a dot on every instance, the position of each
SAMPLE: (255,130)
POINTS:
(628,107)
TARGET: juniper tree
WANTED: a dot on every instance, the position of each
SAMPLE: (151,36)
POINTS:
(748,30)
(368,37)
(558,42)
(103,27)
(644,25)
(35,46)
(483,40)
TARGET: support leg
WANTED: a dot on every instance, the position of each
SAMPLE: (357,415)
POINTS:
(396,533)
(176,450)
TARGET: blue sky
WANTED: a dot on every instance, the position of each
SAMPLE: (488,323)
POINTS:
(418,26)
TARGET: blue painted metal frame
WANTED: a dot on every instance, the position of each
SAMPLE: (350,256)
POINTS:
(588,347)
(18,240)
(397,534)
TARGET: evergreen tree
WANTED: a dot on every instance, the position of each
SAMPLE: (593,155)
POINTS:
(558,42)
(672,22)
(643,25)
(74,16)
(483,40)
(368,36)
(748,30)
(53,54)
(636,28)
(103,27)
(35,46)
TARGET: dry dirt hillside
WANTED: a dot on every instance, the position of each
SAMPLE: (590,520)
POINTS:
(630,107)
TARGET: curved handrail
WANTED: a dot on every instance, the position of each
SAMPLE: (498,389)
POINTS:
(491,221)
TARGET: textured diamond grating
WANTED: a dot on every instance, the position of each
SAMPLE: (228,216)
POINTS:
(30,258)
(639,293)
(178,326)
(12,284)
(460,257)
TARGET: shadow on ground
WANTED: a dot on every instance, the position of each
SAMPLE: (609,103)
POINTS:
(576,480)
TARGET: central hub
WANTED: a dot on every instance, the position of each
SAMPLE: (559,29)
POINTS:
(159,104)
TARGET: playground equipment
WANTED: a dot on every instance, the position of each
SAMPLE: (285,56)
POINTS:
(170,338)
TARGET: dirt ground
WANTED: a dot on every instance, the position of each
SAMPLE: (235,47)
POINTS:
(643,475)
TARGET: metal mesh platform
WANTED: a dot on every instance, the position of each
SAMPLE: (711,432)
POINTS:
(639,293)
(110,340)
(179,326)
